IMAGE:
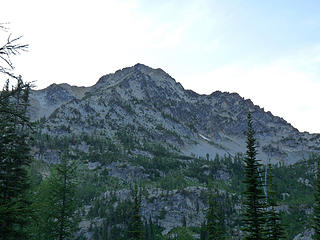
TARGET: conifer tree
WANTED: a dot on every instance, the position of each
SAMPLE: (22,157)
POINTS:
(62,184)
(56,203)
(14,159)
(150,228)
(203,231)
(316,209)
(137,231)
(14,145)
(273,229)
(214,223)
(254,202)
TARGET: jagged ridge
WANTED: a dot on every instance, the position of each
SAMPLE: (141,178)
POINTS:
(160,109)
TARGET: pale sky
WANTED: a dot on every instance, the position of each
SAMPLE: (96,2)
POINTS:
(268,51)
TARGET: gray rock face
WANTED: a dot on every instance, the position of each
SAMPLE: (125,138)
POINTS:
(158,108)
(170,206)
(307,235)
(44,102)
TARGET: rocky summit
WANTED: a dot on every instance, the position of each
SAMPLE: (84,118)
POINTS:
(153,106)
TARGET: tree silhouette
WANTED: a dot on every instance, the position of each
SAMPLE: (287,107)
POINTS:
(274,230)
(254,203)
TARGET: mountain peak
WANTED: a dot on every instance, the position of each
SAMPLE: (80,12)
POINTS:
(139,72)
(141,66)
(146,69)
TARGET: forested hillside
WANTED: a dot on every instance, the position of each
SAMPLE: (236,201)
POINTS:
(136,156)
(103,180)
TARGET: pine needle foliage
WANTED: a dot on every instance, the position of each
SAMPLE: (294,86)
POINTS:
(55,202)
(14,159)
(214,222)
(137,227)
(254,198)
(62,184)
(273,229)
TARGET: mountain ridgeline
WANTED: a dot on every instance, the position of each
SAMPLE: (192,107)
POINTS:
(139,127)
(156,108)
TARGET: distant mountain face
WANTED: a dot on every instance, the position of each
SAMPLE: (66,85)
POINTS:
(152,106)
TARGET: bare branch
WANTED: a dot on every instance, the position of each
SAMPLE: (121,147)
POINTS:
(7,60)
(10,48)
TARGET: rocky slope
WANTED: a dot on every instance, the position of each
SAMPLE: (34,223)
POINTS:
(155,107)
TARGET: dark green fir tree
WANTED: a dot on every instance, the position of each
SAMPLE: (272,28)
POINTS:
(273,229)
(55,203)
(14,159)
(203,231)
(137,226)
(214,221)
(254,198)
(14,144)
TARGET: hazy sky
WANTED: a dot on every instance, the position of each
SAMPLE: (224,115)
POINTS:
(268,51)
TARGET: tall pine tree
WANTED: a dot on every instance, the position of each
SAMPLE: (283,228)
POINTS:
(214,222)
(14,159)
(137,228)
(55,218)
(273,229)
(203,231)
(254,202)
(14,147)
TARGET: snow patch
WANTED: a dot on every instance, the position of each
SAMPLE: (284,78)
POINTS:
(205,138)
